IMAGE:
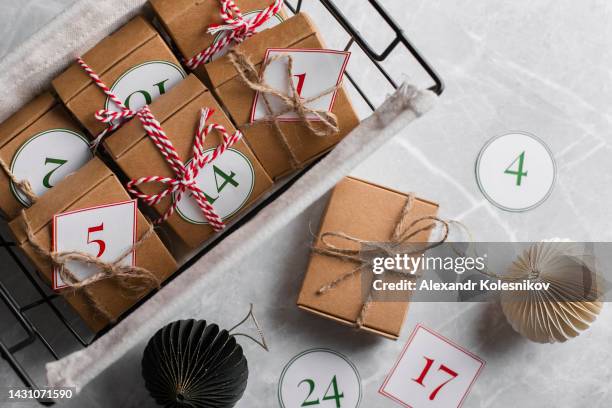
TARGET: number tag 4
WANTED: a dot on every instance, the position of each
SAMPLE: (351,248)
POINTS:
(432,372)
(314,72)
(105,232)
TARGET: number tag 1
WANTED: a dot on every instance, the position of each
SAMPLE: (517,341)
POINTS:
(319,378)
(105,232)
(431,372)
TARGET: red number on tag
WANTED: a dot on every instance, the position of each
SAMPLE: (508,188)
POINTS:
(101,243)
(428,363)
(300,84)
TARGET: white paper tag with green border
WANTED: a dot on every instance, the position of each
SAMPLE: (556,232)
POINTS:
(273,21)
(319,378)
(516,171)
(105,231)
(315,71)
(144,83)
(47,158)
(227,182)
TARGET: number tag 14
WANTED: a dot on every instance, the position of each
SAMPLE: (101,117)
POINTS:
(105,232)
(432,372)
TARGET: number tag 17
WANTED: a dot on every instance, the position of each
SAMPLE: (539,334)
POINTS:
(432,372)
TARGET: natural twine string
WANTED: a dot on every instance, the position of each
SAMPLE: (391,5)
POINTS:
(23,185)
(327,121)
(132,278)
(368,250)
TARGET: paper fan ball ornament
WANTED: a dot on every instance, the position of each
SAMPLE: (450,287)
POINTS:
(572,301)
(190,363)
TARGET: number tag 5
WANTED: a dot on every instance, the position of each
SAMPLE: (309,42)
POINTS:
(105,232)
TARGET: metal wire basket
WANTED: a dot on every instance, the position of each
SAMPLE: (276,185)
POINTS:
(35,340)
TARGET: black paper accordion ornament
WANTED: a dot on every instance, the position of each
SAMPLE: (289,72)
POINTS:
(190,363)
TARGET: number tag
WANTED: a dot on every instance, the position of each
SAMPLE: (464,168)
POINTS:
(105,232)
(272,22)
(46,158)
(431,372)
(319,378)
(314,72)
(227,184)
(144,83)
(516,171)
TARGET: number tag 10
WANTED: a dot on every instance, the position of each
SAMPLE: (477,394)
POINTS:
(105,232)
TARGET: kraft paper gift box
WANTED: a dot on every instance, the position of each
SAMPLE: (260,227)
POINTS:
(93,185)
(368,212)
(238,178)
(41,143)
(187,21)
(134,62)
(296,32)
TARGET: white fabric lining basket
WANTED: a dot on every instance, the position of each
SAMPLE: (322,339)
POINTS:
(29,70)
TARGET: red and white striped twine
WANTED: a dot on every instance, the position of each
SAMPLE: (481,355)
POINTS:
(238,28)
(113,119)
(185,181)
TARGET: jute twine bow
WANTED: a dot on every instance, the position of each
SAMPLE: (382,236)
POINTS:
(368,250)
(185,181)
(237,27)
(113,119)
(325,123)
(131,278)
(23,185)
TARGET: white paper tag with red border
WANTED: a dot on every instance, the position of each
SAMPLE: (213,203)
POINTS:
(105,231)
(432,372)
(314,72)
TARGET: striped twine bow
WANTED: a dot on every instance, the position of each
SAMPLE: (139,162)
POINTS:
(186,174)
(113,119)
(238,28)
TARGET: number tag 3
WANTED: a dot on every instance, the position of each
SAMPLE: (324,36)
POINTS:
(105,232)
(432,372)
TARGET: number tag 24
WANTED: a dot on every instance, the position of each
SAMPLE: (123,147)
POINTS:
(332,387)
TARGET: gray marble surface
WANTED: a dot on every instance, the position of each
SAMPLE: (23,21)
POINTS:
(538,66)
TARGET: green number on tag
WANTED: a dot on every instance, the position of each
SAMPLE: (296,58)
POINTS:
(336,396)
(519,172)
(47,180)
(148,99)
(226,179)
(333,386)
(311,385)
